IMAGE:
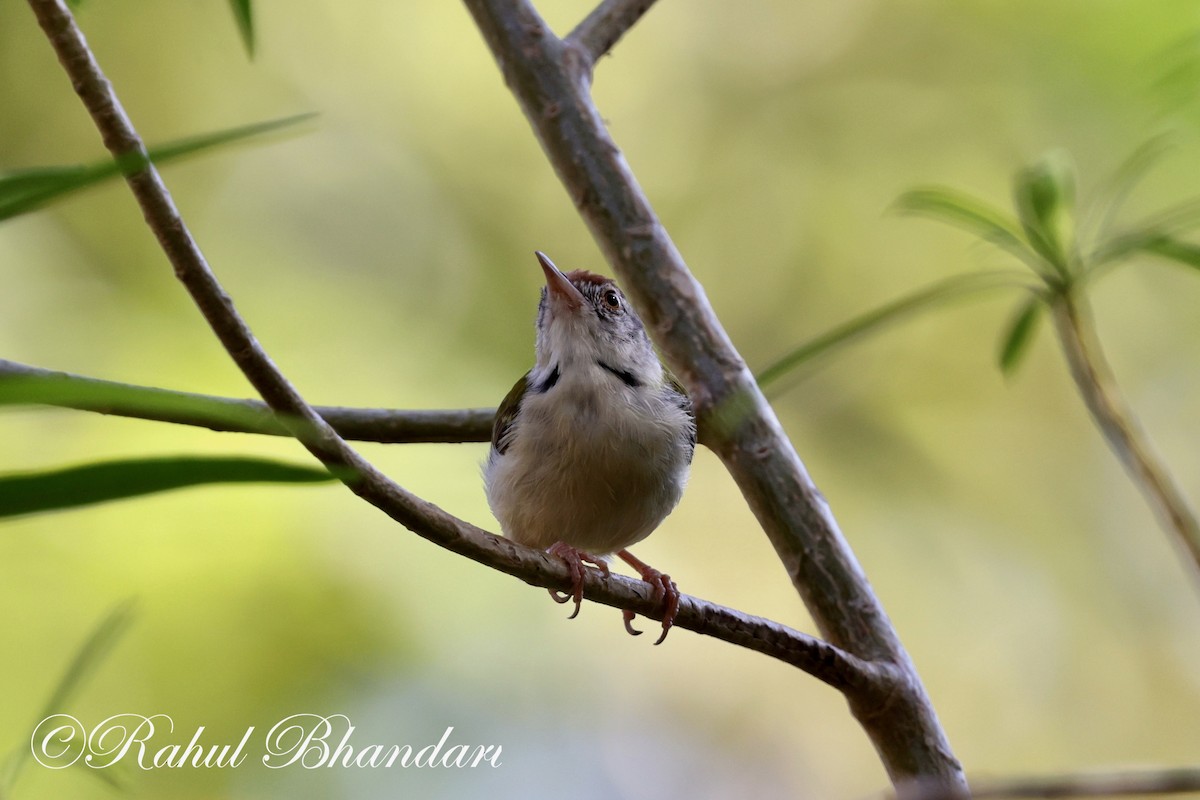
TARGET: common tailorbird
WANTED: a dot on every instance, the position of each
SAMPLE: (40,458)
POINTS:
(591,448)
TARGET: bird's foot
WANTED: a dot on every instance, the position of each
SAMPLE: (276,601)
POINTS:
(664,588)
(575,560)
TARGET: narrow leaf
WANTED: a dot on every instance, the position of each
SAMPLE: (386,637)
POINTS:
(20,386)
(1151,241)
(87,661)
(939,293)
(965,212)
(30,189)
(27,493)
(1184,253)
(1016,341)
(244,17)
(1179,218)
(1128,175)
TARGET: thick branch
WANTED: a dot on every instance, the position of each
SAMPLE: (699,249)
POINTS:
(388,426)
(1112,415)
(551,85)
(824,661)
(603,28)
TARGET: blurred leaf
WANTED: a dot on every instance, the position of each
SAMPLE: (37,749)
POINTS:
(1044,194)
(1020,334)
(21,385)
(1175,219)
(1177,70)
(938,294)
(1184,253)
(965,212)
(26,190)
(1121,247)
(1128,175)
(86,662)
(243,15)
(27,493)
(1155,234)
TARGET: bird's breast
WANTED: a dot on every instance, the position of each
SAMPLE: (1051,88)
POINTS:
(596,464)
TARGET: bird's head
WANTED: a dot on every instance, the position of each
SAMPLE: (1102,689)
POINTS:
(584,317)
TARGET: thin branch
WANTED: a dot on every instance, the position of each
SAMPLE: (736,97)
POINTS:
(1125,783)
(388,426)
(1094,378)
(870,683)
(603,28)
(551,85)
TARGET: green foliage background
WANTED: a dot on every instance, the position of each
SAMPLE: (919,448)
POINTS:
(385,259)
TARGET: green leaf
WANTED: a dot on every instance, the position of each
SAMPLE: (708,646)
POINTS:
(27,493)
(27,190)
(244,17)
(87,661)
(1179,218)
(1016,341)
(965,212)
(1184,253)
(1153,241)
(939,293)
(21,386)
(1128,175)
(1044,194)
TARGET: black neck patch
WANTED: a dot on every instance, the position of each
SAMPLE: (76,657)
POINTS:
(548,382)
(627,378)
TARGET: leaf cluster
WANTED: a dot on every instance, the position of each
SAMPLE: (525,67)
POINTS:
(1043,234)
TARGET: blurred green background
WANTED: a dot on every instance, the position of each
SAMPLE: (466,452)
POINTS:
(384,258)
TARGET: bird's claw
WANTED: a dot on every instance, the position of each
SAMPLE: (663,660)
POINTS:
(665,591)
(575,560)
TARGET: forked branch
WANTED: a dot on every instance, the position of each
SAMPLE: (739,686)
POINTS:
(605,26)
(865,683)
(551,85)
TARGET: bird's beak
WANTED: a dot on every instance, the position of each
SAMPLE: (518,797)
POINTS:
(561,290)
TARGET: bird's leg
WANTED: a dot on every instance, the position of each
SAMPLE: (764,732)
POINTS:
(575,560)
(664,589)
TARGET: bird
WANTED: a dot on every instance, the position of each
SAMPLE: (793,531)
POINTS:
(592,447)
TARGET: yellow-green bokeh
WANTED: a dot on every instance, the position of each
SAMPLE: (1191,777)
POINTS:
(384,258)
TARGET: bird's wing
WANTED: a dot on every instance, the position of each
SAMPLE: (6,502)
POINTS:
(506,415)
(685,403)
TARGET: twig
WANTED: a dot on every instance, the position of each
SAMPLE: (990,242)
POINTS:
(603,28)
(551,86)
(1093,376)
(388,426)
(868,683)
(1126,783)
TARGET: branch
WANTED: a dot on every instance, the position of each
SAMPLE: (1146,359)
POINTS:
(874,683)
(383,425)
(551,85)
(1116,421)
(1178,780)
(605,26)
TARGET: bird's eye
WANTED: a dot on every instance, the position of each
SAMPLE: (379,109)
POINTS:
(612,300)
